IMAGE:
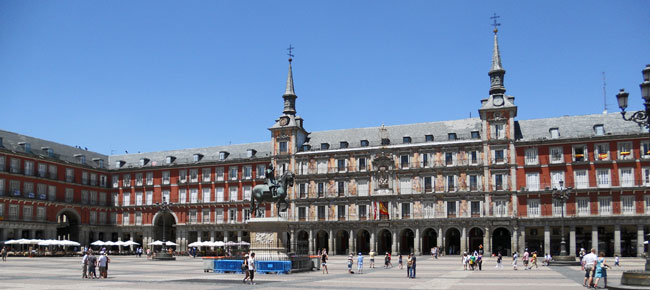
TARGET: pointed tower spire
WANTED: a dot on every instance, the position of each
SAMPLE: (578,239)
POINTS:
(289,94)
(496,72)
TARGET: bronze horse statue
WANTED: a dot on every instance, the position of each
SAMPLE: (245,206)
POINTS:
(261,193)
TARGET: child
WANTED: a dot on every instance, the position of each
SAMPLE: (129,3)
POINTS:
(514,261)
(399,262)
(350,261)
(616,263)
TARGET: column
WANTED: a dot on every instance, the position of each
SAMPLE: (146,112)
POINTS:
(394,246)
(212,236)
(373,246)
(547,240)
(351,244)
(522,239)
(617,240)
(225,236)
(487,249)
(572,241)
(239,235)
(417,243)
(439,242)
(199,235)
(311,242)
(330,243)
(640,238)
(594,238)
(463,241)
(514,241)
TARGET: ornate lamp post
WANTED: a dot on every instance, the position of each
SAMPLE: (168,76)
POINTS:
(641,117)
(164,207)
(562,194)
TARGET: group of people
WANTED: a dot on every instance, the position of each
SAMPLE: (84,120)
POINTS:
(473,261)
(595,268)
(248,267)
(359,263)
(528,259)
(90,262)
(410,262)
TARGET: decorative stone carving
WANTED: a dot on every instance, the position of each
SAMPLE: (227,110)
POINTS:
(264,238)
(383,162)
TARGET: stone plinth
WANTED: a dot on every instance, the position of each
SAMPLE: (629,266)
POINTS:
(268,238)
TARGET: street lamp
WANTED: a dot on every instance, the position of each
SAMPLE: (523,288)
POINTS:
(562,194)
(164,207)
(640,117)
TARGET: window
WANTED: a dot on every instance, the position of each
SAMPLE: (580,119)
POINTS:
(283,146)
(138,179)
(321,166)
(343,144)
(580,153)
(138,198)
(647,204)
(362,187)
(126,180)
(602,178)
(102,180)
(182,195)
(102,218)
(138,218)
(475,208)
(362,163)
(149,198)
(340,188)
(498,131)
(149,178)
(324,146)
(40,213)
(627,204)
(556,177)
(302,190)
(429,210)
(451,183)
(424,159)
(165,177)
(27,213)
(93,197)
(219,173)
(246,214)
(260,171)
(499,156)
(125,218)
(42,170)
(247,192)
(29,168)
(53,172)
(2,187)
(233,193)
(599,130)
(404,161)
(532,181)
(341,212)
(556,155)
(473,182)
(232,215)
(341,165)
(28,188)
(219,215)
(51,191)
(113,218)
(533,207)
(102,198)
(475,135)
(363,212)
(14,166)
(182,176)
(451,136)
(69,195)
(406,139)
(583,206)
(116,180)
(13,211)
(449,158)
(84,178)
(223,155)
(451,208)
(206,195)
(555,133)
(232,172)
(166,196)
(531,156)
(321,212)
(601,151)
(405,185)
(625,151)
(428,138)
(406,210)
(219,193)
(321,189)
(194,175)
(248,172)
(581,178)
(427,183)
(499,181)
(193,216)
(605,205)
(2,163)
(557,207)
(126,199)
(205,216)
(194,195)
(365,143)
(645,150)
(473,157)
(627,176)
(84,196)
(385,141)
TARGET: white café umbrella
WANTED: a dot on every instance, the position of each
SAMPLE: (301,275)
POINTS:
(245,243)
(195,244)
(155,243)
(12,242)
(170,243)
(131,243)
(70,243)
(98,243)
(219,244)
(119,243)
(29,242)
(109,243)
(48,243)
(230,243)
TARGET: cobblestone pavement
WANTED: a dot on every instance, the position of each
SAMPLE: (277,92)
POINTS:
(187,273)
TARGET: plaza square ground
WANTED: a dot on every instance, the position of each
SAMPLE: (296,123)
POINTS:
(127,272)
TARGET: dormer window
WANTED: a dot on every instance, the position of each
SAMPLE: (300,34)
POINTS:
(406,140)
(144,161)
(306,147)
(223,155)
(119,163)
(428,138)
(197,157)
(26,146)
(451,136)
(599,130)
(385,141)
(169,159)
(250,153)
(324,146)
(49,151)
(343,144)
(476,135)
(99,161)
(81,158)
(365,143)
(555,133)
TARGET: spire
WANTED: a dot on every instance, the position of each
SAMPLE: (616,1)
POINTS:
(289,94)
(497,72)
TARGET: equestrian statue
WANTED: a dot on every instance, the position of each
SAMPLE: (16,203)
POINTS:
(274,191)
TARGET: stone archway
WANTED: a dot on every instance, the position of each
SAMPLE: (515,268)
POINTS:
(164,222)
(452,242)
(501,241)
(407,242)
(322,241)
(363,242)
(384,242)
(67,227)
(429,240)
(342,242)
(475,239)
(302,243)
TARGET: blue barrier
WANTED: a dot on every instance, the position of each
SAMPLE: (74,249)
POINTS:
(278,267)
(223,266)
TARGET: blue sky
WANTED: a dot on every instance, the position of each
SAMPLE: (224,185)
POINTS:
(158,75)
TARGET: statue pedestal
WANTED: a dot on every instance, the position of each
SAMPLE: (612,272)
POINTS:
(269,238)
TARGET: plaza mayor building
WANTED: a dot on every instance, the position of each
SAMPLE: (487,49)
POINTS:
(454,184)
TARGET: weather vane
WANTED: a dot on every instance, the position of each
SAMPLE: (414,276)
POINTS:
(495,23)
(290,49)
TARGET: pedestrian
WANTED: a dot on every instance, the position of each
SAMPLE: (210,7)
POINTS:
(598,271)
(499,260)
(372,259)
(588,262)
(616,260)
(148,253)
(413,264)
(360,263)
(323,260)
(524,258)
(400,264)
(390,260)
(480,249)
(244,268)
(465,260)
(386,260)
(533,260)
(3,253)
(408,266)
(251,268)
(479,261)
(102,262)
(350,261)
(472,261)
(84,266)
(92,263)
(514,261)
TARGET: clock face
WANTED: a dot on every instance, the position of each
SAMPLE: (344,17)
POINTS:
(284,121)
(497,100)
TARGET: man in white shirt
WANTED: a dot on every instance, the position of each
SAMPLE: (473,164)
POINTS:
(588,264)
(84,266)
(251,267)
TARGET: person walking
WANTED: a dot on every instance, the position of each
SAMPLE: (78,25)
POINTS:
(350,262)
(360,263)
(3,253)
(409,262)
(413,264)
(400,263)
(84,266)
(251,268)
(524,259)
(616,260)
(588,262)
(479,261)
(600,266)
(465,260)
(102,262)
(514,261)
(92,263)
(533,261)
(390,260)
(372,259)
(386,260)
(244,267)
(323,261)
(499,260)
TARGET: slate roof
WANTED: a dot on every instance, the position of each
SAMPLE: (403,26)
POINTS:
(61,152)
(575,127)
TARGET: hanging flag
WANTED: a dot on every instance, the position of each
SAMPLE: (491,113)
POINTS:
(375,210)
(383,210)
